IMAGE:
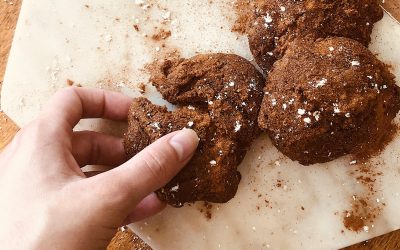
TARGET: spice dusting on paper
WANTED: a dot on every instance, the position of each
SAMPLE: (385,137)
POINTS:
(244,11)
(362,214)
(160,35)
(206,209)
(367,206)
(150,25)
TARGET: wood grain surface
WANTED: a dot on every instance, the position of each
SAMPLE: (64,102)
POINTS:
(9,10)
(393,7)
(8,19)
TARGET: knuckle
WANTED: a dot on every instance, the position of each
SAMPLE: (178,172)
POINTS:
(29,130)
(41,126)
(116,198)
(156,164)
(113,199)
(37,132)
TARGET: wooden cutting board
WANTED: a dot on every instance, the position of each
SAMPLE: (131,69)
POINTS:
(8,129)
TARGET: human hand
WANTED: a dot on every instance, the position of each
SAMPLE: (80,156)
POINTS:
(46,200)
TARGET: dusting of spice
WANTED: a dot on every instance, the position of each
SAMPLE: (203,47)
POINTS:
(206,208)
(117,78)
(70,82)
(366,208)
(361,216)
(161,35)
(245,13)
(367,205)
(142,88)
(73,83)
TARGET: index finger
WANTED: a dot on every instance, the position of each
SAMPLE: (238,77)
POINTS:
(72,104)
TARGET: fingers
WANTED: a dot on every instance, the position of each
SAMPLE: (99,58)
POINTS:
(92,148)
(148,171)
(71,104)
(148,207)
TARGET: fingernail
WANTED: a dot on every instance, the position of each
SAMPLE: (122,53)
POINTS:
(185,143)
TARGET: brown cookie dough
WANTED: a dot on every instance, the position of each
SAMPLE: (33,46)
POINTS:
(327,99)
(277,23)
(219,96)
(226,85)
(148,122)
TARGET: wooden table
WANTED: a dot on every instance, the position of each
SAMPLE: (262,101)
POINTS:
(9,10)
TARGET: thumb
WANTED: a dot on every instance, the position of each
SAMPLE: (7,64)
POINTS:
(124,187)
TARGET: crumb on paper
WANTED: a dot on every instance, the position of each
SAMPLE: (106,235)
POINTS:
(70,82)
(142,88)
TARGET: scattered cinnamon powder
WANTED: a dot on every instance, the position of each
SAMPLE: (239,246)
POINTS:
(168,54)
(244,11)
(142,88)
(365,207)
(161,35)
(361,216)
(70,82)
(206,209)
(116,79)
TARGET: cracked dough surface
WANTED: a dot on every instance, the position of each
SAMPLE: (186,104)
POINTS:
(219,96)
(328,98)
(277,23)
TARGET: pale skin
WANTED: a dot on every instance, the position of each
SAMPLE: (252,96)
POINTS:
(47,202)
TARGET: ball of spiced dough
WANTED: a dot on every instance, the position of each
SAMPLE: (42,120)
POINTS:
(326,99)
(219,97)
(226,85)
(211,175)
(277,23)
